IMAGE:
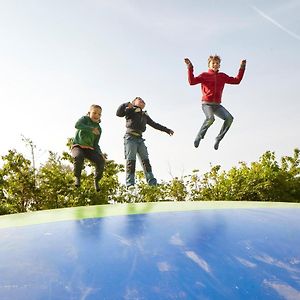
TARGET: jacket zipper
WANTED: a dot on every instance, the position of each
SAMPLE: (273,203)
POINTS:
(215,91)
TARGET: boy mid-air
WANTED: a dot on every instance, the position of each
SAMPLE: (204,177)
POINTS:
(212,85)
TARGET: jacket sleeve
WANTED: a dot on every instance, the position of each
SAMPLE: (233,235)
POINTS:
(191,78)
(157,126)
(122,111)
(96,141)
(237,79)
(81,124)
(96,145)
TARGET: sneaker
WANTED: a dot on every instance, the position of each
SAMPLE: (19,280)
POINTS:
(196,143)
(131,189)
(96,185)
(153,182)
(131,194)
(77,182)
(216,146)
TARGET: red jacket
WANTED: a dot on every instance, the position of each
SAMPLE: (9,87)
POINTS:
(212,83)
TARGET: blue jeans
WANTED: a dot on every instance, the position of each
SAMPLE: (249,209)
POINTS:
(135,146)
(211,110)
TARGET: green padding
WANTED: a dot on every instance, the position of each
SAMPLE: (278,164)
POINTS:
(100,211)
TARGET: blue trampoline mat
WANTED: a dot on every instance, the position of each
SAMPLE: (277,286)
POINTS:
(251,253)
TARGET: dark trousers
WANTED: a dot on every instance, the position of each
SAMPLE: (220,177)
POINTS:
(79,154)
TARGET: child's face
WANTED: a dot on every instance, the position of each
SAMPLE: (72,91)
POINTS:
(95,114)
(139,102)
(214,65)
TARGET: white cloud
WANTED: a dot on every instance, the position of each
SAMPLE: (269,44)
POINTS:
(268,18)
(246,263)
(199,261)
(176,240)
(284,290)
(163,266)
(274,262)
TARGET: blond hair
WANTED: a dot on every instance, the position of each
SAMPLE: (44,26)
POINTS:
(95,106)
(137,98)
(214,57)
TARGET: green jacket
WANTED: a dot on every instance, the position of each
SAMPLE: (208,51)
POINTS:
(84,135)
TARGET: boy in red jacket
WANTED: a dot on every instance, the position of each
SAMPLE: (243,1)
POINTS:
(212,85)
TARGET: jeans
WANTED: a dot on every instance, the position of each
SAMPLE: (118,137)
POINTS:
(135,146)
(79,154)
(210,110)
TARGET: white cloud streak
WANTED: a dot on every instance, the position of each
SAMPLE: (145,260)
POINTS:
(268,18)
(284,290)
(198,260)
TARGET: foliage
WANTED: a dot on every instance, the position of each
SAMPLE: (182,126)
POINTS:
(55,184)
(265,180)
(18,183)
(24,188)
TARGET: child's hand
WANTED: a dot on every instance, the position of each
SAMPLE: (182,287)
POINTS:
(188,62)
(243,64)
(104,155)
(129,105)
(96,131)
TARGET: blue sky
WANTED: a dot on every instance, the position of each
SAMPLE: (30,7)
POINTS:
(58,57)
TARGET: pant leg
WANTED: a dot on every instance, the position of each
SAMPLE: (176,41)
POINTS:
(145,162)
(225,115)
(78,155)
(130,149)
(209,119)
(97,159)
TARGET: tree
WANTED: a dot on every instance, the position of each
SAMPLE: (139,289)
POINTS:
(24,188)
(18,182)
(265,180)
(55,182)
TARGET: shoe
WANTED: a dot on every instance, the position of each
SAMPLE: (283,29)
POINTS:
(216,146)
(96,185)
(131,194)
(77,182)
(152,182)
(131,189)
(196,143)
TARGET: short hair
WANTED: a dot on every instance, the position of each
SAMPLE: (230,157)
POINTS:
(92,107)
(214,57)
(95,106)
(137,98)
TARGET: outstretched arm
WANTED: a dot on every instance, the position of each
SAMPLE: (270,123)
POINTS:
(191,78)
(240,75)
(158,126)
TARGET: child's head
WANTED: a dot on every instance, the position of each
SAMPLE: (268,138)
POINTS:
(214,62)
(138,101)
(95,113)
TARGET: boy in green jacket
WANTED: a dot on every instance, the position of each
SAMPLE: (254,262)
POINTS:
(85,145)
